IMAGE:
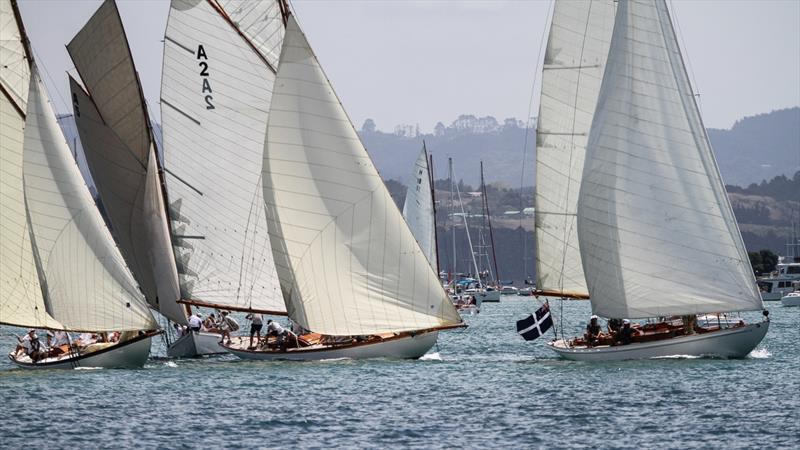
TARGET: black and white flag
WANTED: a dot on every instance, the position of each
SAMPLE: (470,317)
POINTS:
(536,324)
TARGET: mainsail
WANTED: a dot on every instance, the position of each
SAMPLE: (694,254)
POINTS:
(657,232)
(418,208)
(346,260)
(215,97)
(115,133)
(573,69)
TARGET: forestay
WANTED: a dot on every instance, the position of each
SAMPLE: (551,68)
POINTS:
(114,130)
(215,98)
(418,208)
(346,260)
(87,285)
(577,47)
(21,300)
(657,233)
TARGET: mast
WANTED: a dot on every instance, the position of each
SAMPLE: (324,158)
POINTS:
(489,222)
(433,202)
(452,219)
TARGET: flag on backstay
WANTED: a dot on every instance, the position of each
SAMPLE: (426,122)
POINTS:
(536,324)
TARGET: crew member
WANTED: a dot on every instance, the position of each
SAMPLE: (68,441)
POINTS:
(593,332)
(256,324)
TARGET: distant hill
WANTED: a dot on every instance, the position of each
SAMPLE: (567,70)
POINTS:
(759,148)
(756,148)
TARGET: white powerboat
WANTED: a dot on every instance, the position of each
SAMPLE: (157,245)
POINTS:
(781,282)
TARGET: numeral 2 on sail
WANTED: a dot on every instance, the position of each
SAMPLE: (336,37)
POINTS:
(201,55)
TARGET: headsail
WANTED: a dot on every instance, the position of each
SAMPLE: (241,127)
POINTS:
(215,99)
(21,298)
(657,232)
(346,260)
(116,138)
(573,69)
(88,286)
(418,208)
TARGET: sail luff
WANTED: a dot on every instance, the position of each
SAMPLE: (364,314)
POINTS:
(346,260)
(656,230)
(577,48)
(215,94)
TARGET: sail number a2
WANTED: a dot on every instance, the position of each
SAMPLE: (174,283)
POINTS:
(203,64)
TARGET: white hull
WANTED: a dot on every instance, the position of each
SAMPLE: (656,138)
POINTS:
(727,343)
(791,300)
(406,347)
(127,355)
(195,344)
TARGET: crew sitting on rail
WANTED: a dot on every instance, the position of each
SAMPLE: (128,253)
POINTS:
(593,332)
(31,346)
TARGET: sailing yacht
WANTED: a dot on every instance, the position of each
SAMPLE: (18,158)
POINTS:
(220,60)
(60,268)
(355,281)
(656,234)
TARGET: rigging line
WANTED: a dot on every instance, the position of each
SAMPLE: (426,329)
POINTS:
(539,61)
(674,18)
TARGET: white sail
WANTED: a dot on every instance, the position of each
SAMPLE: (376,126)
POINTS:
(15,70)
(657,232)
(21,299)
(214,127)
(346,260)
(261,22)
(418,209)
(114,130)
(87,285)
(577,47)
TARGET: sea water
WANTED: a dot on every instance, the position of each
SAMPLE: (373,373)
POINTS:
(482,387)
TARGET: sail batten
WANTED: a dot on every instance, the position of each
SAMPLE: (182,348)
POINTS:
(354,268)
(577,48)
(657,232)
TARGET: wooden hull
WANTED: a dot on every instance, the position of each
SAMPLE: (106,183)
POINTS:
(131,354)
(726,343)
(401,347)
(194,344)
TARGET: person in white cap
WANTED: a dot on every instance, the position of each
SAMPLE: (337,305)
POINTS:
(32,347)
(626,333)
(593,331)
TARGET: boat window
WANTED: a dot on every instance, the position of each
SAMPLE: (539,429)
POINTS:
(765,287)
(793,270)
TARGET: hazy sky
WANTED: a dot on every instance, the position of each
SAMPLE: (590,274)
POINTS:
(419,62)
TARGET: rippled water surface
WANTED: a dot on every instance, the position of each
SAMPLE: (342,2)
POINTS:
(486,387)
